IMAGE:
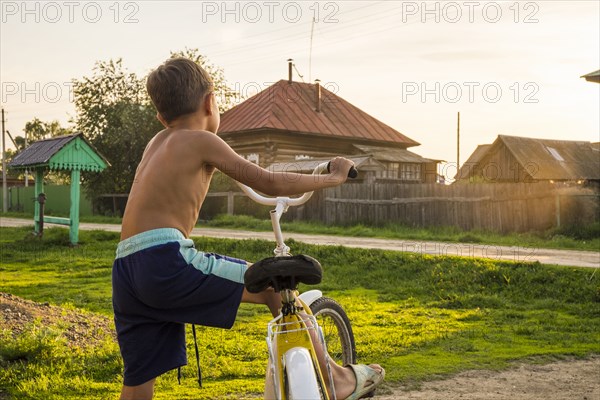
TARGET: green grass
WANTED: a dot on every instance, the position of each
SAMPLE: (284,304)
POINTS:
(580,238)
(571,237)
(420,316)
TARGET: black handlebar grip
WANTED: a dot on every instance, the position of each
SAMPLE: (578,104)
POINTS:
(353,173)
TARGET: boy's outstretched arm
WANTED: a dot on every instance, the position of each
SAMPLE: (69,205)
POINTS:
(217,153)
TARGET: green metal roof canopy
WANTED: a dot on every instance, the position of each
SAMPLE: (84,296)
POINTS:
(62,153)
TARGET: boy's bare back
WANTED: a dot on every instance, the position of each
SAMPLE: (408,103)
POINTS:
(170,184)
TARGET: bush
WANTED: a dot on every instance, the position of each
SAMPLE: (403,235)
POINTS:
(580,232)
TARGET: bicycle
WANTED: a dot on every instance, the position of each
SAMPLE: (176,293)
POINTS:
(293,369)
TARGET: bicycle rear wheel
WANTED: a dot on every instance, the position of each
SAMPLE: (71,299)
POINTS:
(337,330)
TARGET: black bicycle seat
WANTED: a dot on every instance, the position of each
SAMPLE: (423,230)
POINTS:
(282,273)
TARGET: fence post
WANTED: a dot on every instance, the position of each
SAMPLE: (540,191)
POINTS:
(39,188)
(558,210)
(230,203)
(74,211)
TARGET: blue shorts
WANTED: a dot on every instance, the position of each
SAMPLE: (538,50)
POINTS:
(160,281)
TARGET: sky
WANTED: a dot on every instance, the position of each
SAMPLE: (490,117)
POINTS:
(511,68)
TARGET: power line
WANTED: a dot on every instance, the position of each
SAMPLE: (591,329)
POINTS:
(301,35)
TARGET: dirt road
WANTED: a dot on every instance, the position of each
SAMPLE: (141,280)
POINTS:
(564,380)
(574,258)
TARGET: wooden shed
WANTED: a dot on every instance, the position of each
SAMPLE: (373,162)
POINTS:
(522,159)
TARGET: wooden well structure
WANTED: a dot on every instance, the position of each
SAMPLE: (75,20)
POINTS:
(61,153)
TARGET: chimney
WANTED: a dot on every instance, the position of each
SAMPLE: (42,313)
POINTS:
(290,60)
(318,95)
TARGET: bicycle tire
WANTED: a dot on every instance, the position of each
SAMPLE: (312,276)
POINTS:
(337,330)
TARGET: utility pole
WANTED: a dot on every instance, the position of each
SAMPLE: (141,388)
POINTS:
(4,188)
(26,170)
(458,142)
(312,28)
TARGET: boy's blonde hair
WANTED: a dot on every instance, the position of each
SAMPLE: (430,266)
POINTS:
(178,87)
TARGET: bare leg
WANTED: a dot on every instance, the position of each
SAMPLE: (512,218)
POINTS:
(267,297)
(145,391)
(344,379)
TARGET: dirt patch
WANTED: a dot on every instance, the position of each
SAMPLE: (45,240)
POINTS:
(572,380)
(79,328)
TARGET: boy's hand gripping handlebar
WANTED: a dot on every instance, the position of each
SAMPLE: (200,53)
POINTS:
(353,173)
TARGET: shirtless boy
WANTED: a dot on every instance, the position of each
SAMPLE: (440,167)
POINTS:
(160,281)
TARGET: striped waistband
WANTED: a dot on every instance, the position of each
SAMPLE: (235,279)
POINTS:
(154,237)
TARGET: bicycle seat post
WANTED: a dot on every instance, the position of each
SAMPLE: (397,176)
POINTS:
(282,206)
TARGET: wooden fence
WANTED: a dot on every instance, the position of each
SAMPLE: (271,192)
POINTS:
(510,207)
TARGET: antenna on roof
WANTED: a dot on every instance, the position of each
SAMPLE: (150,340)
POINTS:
(318,95)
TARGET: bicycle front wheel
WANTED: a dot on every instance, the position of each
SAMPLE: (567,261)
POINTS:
(337,330)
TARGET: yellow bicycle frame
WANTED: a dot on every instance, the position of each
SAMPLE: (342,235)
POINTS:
(290,332)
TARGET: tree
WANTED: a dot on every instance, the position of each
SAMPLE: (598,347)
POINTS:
(116,115)
(38,130)
(20,143)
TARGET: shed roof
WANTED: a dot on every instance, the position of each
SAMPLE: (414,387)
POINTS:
(291,106)
(65,152)
(554,159)
(466,169)
(592,76)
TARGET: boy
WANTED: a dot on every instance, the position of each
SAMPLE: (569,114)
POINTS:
(160,282)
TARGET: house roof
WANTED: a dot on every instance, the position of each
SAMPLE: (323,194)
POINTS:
(61,152)
(553,159)
(592,76)
(290,106)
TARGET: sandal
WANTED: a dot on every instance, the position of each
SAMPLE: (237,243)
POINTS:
(365,374)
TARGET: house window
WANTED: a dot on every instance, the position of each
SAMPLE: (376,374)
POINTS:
(253,158)
(402,171)
(410,172)
(390,172)
(555,153)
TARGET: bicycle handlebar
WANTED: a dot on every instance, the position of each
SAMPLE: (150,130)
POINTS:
(273,201)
